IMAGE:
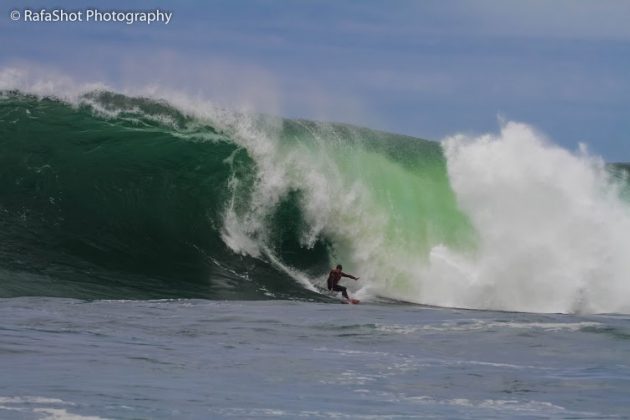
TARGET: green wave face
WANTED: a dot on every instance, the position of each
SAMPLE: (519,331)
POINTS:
(115,196)
(380,201)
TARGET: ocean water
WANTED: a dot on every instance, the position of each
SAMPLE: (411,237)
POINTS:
(64,358)
(162,257)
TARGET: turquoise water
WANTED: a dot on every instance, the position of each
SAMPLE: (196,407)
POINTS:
(121,197)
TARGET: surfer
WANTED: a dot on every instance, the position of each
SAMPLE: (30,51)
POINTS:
(333,279)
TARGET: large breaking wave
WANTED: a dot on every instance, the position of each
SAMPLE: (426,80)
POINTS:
(110,196)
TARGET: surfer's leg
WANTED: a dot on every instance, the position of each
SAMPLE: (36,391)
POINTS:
(341,289)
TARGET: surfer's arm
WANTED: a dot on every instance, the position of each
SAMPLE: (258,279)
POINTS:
(349,276)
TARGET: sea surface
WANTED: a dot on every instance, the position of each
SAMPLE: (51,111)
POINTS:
(65,358)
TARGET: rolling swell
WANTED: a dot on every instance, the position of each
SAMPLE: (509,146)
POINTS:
(110,196)
(118,197)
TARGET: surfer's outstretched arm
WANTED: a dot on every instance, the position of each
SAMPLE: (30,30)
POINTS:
(349,276)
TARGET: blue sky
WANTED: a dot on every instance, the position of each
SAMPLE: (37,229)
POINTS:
(424,68)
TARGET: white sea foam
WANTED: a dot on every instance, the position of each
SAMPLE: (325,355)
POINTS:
(477,325)
(499,407)
(553,230)
(43,407)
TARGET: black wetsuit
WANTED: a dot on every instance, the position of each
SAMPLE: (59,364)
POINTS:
(333,279)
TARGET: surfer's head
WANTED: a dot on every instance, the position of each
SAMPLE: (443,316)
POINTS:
(339,267)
